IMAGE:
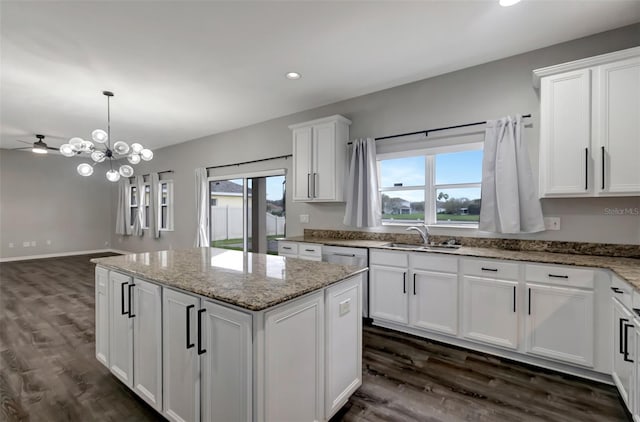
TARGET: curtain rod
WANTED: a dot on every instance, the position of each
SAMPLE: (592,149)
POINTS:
(427,131)
(249,162)
(149,174)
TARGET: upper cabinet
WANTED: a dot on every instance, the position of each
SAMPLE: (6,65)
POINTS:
(320,159)
(590,126)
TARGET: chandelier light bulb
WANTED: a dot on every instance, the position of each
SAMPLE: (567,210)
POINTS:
(67,150)
(146,154)
(86,146)
(126,171)
(134,158)
(113,176)
(85,169)
(136,148)
(98,156)
(99,136)
(76,143)
(121,148)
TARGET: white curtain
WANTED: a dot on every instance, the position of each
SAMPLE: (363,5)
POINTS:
(154,224)
(136,229)
(202,208)
(363,198)
(122,212)
(509,200)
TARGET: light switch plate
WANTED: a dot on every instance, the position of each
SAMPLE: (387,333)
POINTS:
(552,223)
(25,244)
(304,218)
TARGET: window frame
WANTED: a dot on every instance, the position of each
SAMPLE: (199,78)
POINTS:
(169,205)
(430,188)
(130,204)
(145,205)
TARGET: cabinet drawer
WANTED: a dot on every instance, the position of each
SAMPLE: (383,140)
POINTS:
(624,293)
(311,250)
(287,248)
(553,274)
(394,259)
(490,269)
(433,262)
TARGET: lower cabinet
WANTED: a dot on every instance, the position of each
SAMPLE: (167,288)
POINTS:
(388,296)
(120,328)
(102,316)
(434,301)
(490,311)
(560,323)
(623,352)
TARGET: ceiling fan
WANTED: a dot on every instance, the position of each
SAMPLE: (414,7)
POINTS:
(39,147)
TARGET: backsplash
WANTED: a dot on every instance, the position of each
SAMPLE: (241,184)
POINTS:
(580,248)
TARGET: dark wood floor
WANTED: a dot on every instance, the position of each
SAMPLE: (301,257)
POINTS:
(49,372)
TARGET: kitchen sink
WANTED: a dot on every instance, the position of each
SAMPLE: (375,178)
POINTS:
(422,247)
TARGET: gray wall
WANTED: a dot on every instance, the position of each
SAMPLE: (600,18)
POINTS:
(42,198)
(486,91)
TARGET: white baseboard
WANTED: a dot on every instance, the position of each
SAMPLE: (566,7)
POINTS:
(60,254)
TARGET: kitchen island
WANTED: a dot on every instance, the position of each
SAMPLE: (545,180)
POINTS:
(218,335)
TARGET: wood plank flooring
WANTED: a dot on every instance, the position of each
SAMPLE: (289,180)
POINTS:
(48,370)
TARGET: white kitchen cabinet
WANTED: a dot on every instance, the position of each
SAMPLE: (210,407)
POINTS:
(490,312)
(226,376)
(560,323)
(120,328)
(146,312)
(181,362)
(294,361)
(434,301)
(636,374)
(319,159)
(102,316)
(618,128)
(623,352)
(308,251)
(589,130)
(388,296)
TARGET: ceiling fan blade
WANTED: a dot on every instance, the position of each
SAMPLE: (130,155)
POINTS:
(17,149)
(24,142)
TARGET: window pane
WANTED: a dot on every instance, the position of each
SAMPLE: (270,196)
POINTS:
(407,171)
(225,224)
(458,206)
(134,214)
(147,194)
(163,217)
(146,216)
(459,167)
(403,206)
(134,196)
(164,193)
(275,218)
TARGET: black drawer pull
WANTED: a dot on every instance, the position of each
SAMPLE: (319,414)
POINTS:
(122,297)
(617,290)
(514,298)
(189,344)
(626,342)
(404,283)
(529,311)
(558,276)
(200,349)
(309,250)
(131,315)
(287,248)
(495,270)
(621,335)
(414,284)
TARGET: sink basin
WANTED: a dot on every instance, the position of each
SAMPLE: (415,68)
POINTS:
(403,245)
(433,248)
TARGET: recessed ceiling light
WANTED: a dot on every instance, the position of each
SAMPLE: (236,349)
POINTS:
(293,75)
(507,3)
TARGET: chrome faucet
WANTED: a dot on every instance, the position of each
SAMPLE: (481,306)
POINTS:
(424,234)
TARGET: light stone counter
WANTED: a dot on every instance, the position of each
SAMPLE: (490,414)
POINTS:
(247,280)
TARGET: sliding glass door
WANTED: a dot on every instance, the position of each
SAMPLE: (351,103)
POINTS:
(247,213)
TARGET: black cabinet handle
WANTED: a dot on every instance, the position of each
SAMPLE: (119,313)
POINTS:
(309,250)
(404,283)
(287,248)
(122,297)
(514,298)
(529,311)
(586,169)
(495,270)
(308,185)
(200,349)
(189,344)
(558,276)
(621,335)
(131,315)
(602,150)
(414,284)
(626,343)
(315,183)
(617,290)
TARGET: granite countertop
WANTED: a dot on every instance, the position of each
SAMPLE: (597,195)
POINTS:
(626,268)
(247,280)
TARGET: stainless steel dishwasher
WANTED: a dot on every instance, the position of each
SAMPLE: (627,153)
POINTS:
(351,256)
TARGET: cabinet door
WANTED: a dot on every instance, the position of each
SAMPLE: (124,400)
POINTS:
(120,329)
(489,313)
(565,134)
(343,343)
(294,361)
(102,316)
(302,168)
(324,162)
(226,366)
(623,370)
(389,299)
(146,312)
(636,373)
(559,323)
(618,123)
(181,363)
(434,301)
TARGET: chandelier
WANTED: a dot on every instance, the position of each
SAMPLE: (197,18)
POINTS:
(102,150)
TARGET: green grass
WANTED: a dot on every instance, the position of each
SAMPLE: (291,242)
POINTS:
(440,217)
(236,244)
(403,217)
(453,217)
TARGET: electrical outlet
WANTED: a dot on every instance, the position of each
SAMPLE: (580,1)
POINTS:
(10,245)
(48,242)
(344,307)
(552,223)
(33,243)
(106,243)
(25,244)
(304,218)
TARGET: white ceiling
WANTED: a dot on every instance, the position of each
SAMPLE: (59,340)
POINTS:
(182,70)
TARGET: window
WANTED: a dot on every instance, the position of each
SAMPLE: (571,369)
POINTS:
(133,204)
(146,200)
(442,187)
(165,208)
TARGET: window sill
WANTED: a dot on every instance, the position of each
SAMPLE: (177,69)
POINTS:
(432,226)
